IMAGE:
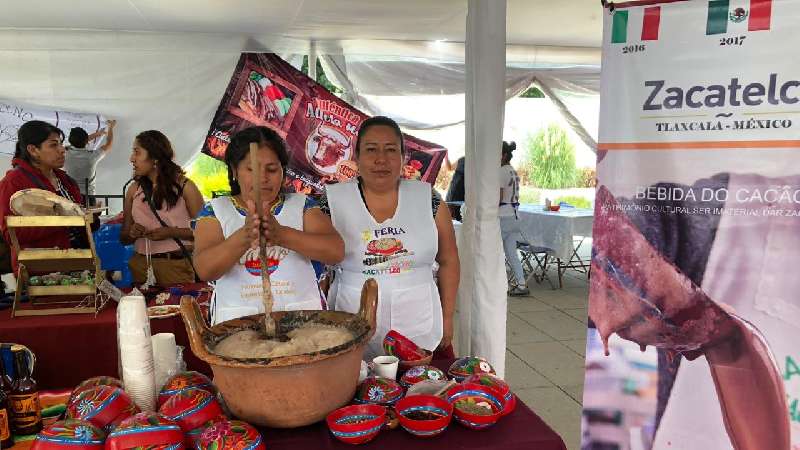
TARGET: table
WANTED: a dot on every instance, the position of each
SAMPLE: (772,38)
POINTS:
(73,347)
(562,232)
(520,430)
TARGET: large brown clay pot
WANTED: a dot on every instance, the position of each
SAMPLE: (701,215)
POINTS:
(289,391)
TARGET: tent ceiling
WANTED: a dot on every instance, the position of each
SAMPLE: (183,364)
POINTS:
(575,23)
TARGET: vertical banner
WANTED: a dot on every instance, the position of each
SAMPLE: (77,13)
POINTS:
(13,115)
(319,128)
(694,307)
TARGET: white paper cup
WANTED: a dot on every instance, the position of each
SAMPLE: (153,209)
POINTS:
(385,366)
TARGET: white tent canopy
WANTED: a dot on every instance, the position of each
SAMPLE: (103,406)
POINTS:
(154,64)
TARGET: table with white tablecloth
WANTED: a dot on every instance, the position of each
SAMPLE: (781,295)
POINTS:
(562,233)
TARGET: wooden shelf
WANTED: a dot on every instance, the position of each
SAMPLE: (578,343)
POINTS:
(48,260)
(35,254)
(77,289)
(45,221)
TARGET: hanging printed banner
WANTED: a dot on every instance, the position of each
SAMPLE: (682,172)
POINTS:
(694,308)
(319,128)
(13,115)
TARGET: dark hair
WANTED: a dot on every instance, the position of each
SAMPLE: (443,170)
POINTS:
(508,149)
(78,137)
(239,148)
(374,122)
(169,186)
(34,132)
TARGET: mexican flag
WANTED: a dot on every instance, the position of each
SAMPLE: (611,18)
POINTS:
(636,24)
(736,16)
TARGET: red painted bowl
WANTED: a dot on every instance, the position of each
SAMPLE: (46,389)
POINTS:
(191,408)
(73,434)
(379,391)
(469,365)
(480,396)
(192,438)
(146,430)
(493,381)
(94,382)
(424,415)
(230,434)
(182,381)
(357,424)
(420,373)
(103,406)
(395,344)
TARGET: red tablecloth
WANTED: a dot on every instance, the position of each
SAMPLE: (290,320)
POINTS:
(520,430)
(73,347)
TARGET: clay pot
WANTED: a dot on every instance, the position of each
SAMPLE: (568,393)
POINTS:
(288,391)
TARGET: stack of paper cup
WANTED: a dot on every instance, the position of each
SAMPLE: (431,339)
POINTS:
(165,356)
(136,352)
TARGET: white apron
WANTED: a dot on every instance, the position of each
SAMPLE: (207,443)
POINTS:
(398,253)
(294,282)
(752,268)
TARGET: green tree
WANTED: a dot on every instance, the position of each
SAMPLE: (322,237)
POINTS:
(550,159)
(210,175)
(321,78)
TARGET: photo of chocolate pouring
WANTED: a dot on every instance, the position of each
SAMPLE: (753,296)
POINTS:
(643,298)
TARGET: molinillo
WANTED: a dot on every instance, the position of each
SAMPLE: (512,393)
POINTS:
(136,352)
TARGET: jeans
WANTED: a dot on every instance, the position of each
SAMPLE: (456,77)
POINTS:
(510,232)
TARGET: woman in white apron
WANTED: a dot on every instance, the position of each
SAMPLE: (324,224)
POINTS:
(394,231)
(226,235)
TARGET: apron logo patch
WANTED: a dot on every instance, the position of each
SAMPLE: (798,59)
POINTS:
(252,263)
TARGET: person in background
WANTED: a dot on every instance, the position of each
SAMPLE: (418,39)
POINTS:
(37,163)
(456,190)
(227,232)
(394,231)
(81,161)
(157,210)
(509,219)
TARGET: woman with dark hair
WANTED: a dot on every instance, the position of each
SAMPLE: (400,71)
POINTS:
(158,207)
(509,220)
(37,163)
(227,233)
(395,231)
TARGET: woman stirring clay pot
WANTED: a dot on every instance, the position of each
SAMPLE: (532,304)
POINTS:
(394,231)
(226,235)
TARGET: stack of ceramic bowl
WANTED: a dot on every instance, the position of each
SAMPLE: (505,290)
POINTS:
(136,351)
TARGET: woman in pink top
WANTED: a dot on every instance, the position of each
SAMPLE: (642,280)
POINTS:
(157,210)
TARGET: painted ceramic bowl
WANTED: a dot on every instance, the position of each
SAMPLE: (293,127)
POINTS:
(421,373)
(379,391)
(103,406)
(230,434)
(424,415)
(395,344)
(182,381)
(93,382)
(357,424)
(476,406)
(191,408)
(493,381)
(192,438)
(147,429)
(72,434)
(469,365)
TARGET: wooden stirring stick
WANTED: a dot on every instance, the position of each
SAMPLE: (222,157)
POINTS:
(266,286)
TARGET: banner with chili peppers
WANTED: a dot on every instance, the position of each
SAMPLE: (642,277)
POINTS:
(319,128)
